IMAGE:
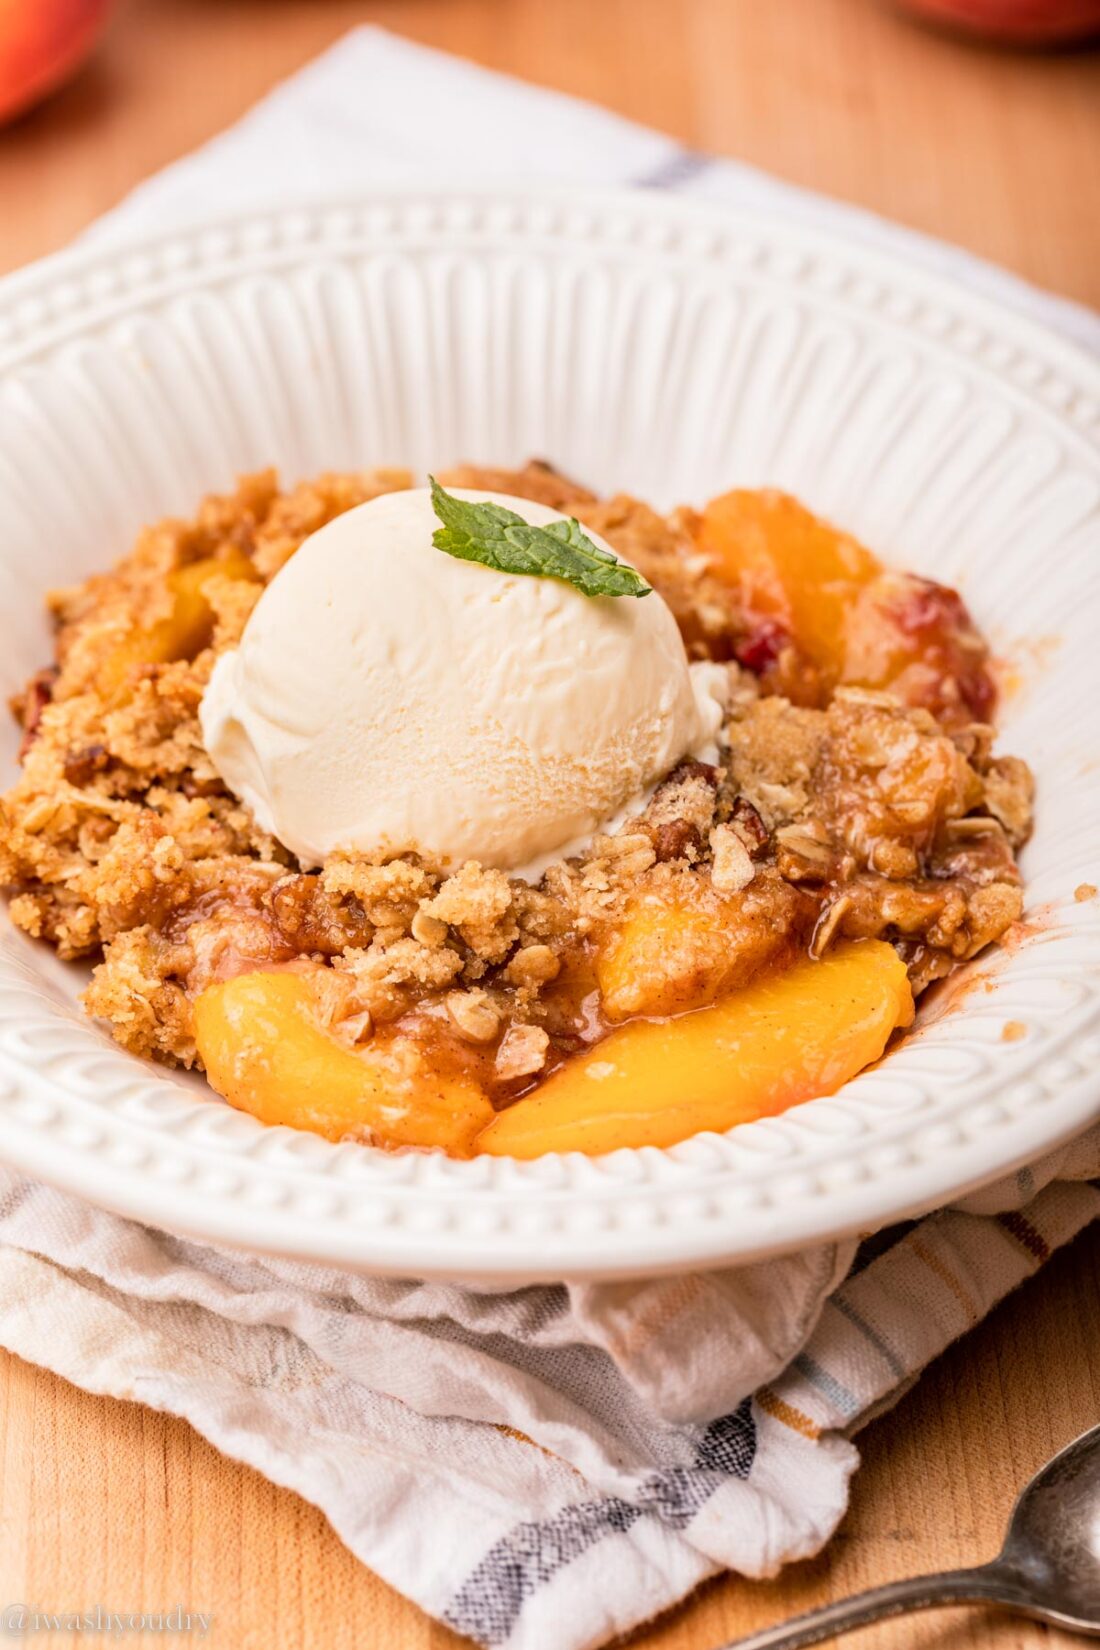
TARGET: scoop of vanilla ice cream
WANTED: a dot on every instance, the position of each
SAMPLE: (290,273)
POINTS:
(388,697)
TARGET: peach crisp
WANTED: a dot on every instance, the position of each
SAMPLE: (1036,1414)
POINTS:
(748,934)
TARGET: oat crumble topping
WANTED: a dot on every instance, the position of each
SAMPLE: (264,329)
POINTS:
(836,811)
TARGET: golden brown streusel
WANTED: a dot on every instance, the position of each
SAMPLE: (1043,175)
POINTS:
(845,814)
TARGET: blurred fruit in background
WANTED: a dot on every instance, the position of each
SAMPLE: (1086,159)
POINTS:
(43,42)
(1023,22)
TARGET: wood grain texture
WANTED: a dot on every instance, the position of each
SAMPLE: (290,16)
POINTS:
(109,1503)
(995,150)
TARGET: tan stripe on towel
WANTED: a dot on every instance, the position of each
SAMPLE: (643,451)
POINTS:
(945,1275)
(771,1403)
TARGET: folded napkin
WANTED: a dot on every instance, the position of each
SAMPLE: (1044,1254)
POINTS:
(550,1465)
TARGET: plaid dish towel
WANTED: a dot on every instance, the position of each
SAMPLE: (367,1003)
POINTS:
(550,1465)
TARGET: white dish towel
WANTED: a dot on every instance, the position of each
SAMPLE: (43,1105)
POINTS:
(555,1465)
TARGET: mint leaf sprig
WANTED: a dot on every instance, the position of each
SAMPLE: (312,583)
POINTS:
(498,538)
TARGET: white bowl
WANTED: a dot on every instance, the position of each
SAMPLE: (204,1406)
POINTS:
(649,346)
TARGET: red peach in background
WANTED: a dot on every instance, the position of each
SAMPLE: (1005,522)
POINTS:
(43,42)
(1024,22)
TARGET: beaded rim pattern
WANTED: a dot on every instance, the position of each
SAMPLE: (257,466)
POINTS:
(671,285)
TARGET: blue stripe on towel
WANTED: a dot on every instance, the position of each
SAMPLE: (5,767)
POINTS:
(828,1385)
(881,1346)
(679,168)
(487,1605)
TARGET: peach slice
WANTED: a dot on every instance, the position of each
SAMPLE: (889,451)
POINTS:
(787,1038)
(855,621)
(789,567)
(264,1048)
(185,631)
(667,957)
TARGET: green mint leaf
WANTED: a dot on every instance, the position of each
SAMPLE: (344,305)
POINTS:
(497,537)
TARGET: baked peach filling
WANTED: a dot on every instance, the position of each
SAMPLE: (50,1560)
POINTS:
(849,619)
(801,1032)
(788,1037)
(261,1039)
(665,958)
(185,629)
(754,936)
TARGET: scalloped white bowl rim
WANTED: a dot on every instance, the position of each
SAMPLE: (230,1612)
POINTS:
(157,1149)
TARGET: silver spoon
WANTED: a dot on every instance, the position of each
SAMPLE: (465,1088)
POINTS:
(1048,1568)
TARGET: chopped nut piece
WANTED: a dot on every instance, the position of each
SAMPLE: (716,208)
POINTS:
(1009,790)
(678,839)
(390,974)
(733,868)
(630,853)
(357,1028)
(192,787)
(827,924)
(38,814)
(474,1015)
(780,801)
(989,912)
(803,852)
(975,741)
(311,918)
(893,859)
(916,810)
(81,766)
(168,859)
(522,1053)
(867,696)
(532,965)
(973,825)
(748,825)
(681,811)
(945,930)
(428,930)
(29,705)
(330,992)
(632,866)
(809,839)
(627,842)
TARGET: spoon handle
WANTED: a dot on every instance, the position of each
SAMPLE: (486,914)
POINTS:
(983,1585)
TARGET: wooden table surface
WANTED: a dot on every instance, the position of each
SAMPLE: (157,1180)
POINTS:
(104,1502)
